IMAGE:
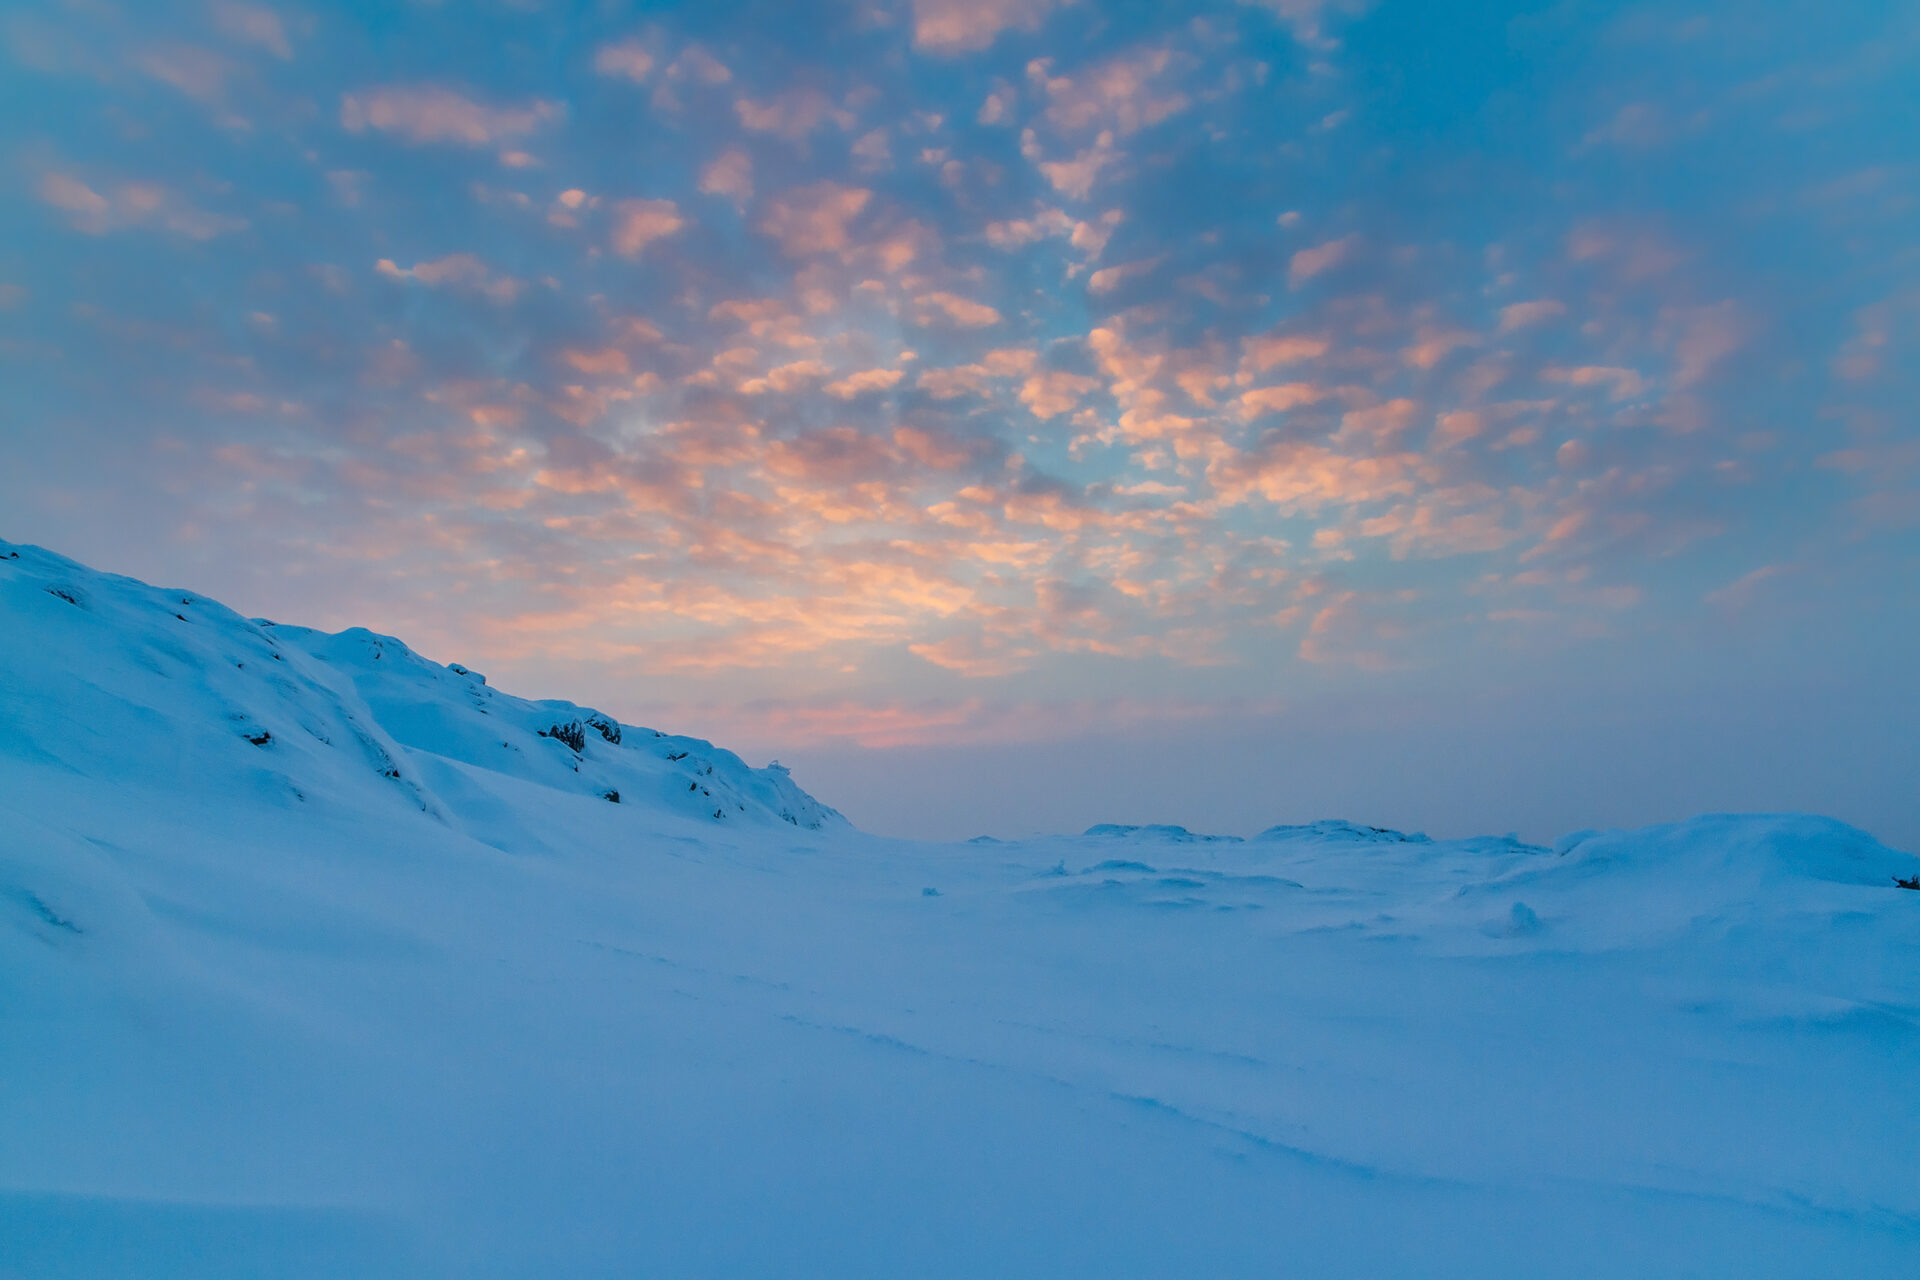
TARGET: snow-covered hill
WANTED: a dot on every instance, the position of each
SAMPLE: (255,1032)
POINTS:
(131,684)
(318,959)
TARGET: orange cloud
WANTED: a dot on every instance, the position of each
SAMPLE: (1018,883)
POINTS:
(1288,395)
(1055,392)
(1299,476)
(864,382)
(964,312)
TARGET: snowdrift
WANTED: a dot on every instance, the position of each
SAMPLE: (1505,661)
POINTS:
(320,959)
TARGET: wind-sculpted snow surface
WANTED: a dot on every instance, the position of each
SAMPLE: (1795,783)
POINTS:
(320,960)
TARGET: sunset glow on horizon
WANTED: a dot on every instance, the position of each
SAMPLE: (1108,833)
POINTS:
(953,375)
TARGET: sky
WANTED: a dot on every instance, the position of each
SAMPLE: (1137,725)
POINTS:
(1014,415)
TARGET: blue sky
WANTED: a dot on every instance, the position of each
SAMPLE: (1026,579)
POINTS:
(1016,413)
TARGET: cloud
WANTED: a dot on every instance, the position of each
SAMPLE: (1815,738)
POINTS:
(1637,124)
(1522,314)
(459,271)
(1361,629)
(1122,95)
(628,58)
(1263,352)
(610,361)
(792,115)
(199,74)
(730,175)
(1740,592)
(998,106)
(1107,279)
(1308,263)
(432,114)
(972,379)
(1075,178)
(872,152)
(1701,337)
(638,223)
(128,205)
(1279,399)
(1055,392)
(964,312)
(1622,384)
(252,24)
(814,219)
(951,27)
(1434,343)
(1300,476)
(1014,233)
(864,382)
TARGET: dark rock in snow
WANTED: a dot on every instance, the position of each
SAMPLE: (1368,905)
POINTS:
(573,733)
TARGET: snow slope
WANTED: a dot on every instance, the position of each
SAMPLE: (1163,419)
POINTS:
(318,959)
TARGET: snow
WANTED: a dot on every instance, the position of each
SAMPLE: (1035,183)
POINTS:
(317,959)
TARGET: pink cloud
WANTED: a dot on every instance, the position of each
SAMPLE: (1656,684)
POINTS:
(965,26)
(1075,178)
(814,219)
(1308,263)
(730,175)
(638,223)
